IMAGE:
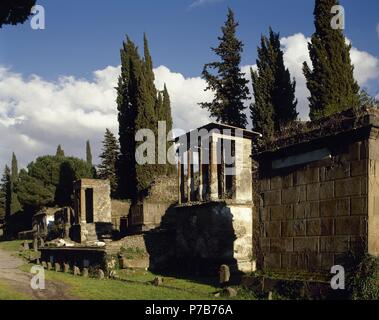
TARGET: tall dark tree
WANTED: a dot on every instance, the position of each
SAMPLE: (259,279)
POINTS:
(88,153)
(170,168)
(15,203)
(331,81)
(6,193)
(139,107)
(60,152)
(15,11)
(109,156)
(227,81)
(274,92)
(127,112)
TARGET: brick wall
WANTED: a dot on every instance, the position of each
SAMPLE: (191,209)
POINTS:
(312,215)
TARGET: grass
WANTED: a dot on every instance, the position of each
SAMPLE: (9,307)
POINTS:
(13,246)
(132,285)
(8,293)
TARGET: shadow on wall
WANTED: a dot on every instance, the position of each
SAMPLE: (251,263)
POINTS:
(193,240)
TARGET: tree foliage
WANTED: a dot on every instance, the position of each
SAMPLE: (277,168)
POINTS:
(13,12)
(109,156)
(275,103)
(331,81)
(227,81)
(49,181)
(140,106)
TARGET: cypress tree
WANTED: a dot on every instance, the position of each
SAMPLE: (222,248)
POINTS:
(170,168)
(88,153)
(15,205)
(331,81)
(127,112)
(6,192)
(274,92)
(60,152)
(109,156)
(228,82)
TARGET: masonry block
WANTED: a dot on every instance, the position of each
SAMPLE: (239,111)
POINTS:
(276,183)
(334,244)
(313,191)
(359,168)
(276,213)
(273,229)
(299,228)
(359,205)
(338,171)
(348,187)
(313,227)
(272,261)
(306,244)
(327,190)
(350,226)
(294,195)
(272,198)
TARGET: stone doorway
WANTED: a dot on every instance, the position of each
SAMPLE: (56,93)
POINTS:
(89,205)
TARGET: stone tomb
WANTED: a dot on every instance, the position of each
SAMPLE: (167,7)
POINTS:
(214,222)
(92,207)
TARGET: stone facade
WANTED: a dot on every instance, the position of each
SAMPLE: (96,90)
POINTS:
(316,206)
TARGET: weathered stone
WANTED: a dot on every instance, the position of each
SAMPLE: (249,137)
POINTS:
(276,183)
(313,191)
(57,267)
(306,244)
(224,274)
(338,172)
(314,227)
(359,168)
(85,272)
(66,268)
(350,226)
(294,195)
(334,244)
(272,261)
(327,190)
(44,264)
(49,266)
(76,271)
(100,274)
(272,198)
(229,292)
(299,228)
(272,229)
(158,281)
(348,187)
(277,213)
(25,245)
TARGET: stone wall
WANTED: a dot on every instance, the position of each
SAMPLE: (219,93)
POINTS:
(312,214)
(120,212)
(211,234)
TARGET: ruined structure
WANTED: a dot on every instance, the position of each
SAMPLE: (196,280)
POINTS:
(93,212)
(214,216)
(319,194)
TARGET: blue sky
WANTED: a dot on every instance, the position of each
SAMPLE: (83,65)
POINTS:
(57,85)
(82,36)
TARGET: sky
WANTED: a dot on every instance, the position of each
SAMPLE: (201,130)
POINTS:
(57,84)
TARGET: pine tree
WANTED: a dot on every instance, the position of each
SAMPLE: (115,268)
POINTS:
(88,153)
(60,152)
(6,192)
(275,102)
(15,203)
(331,81)
(109,156)
(228,82)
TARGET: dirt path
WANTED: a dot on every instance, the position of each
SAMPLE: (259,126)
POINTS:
(20,280)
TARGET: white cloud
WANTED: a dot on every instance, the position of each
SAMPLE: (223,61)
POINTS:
(199,3)
(296,52)
(36,115)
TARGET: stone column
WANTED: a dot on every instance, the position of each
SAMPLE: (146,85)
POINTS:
(189,174)
(82,205)
(213,183)
(200,171)
(179,181)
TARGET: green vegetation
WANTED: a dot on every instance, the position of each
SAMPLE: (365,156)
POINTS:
(109,156)
(49,180)
(13,246)
(363,278)
(140,106)
(331,81)
(228,82)
(8,293)
(275,104)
